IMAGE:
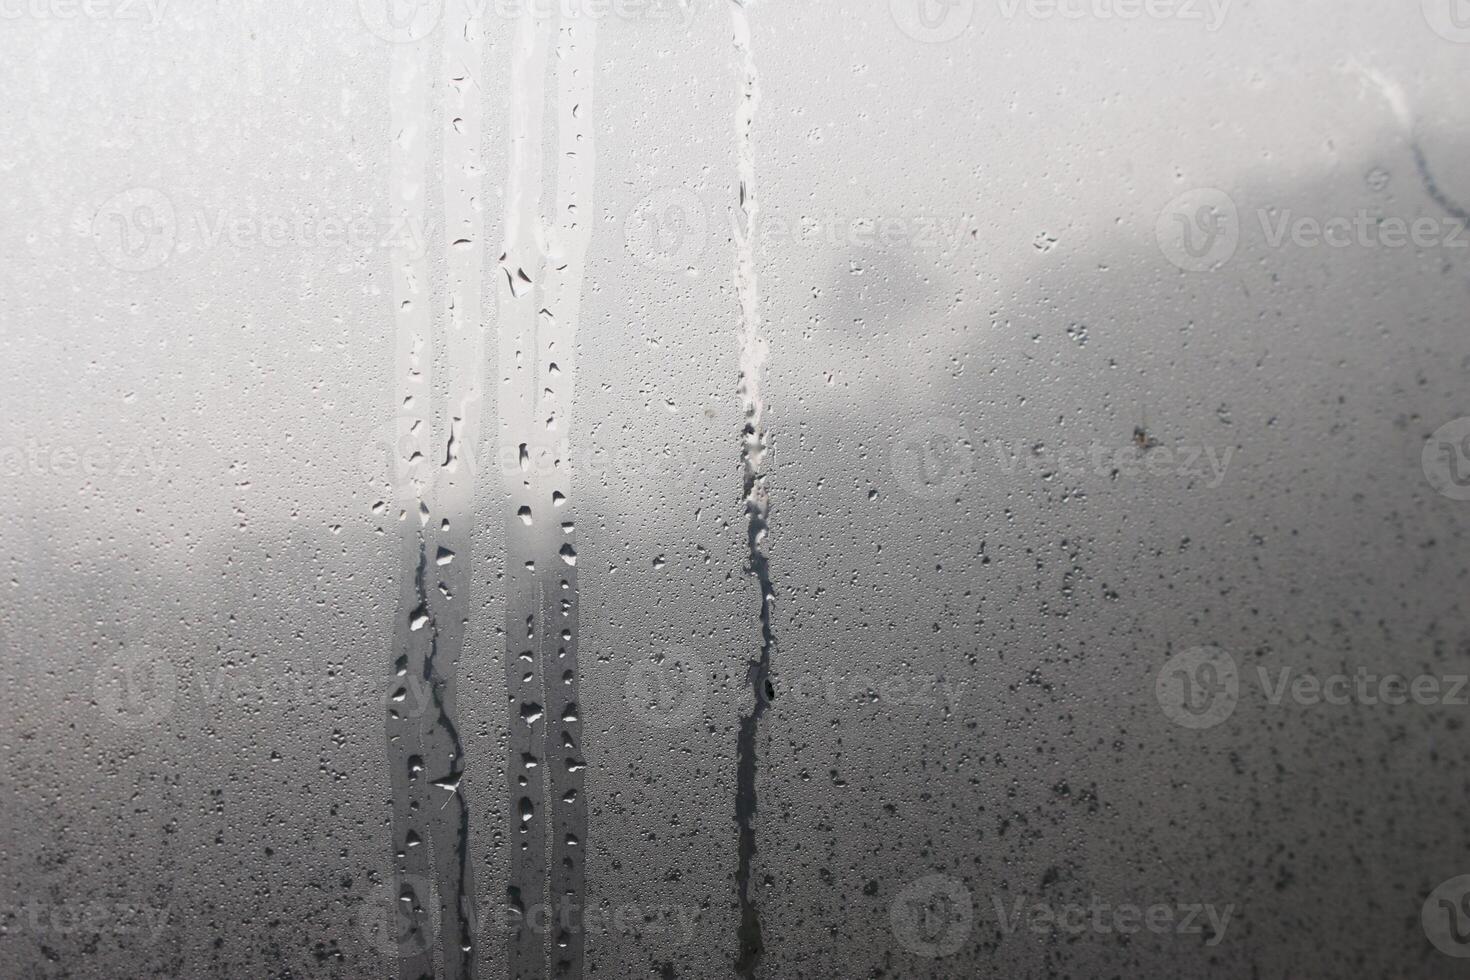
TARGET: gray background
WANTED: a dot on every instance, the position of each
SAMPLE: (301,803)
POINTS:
(972,615)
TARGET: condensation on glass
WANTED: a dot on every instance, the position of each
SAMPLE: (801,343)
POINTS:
(731,489)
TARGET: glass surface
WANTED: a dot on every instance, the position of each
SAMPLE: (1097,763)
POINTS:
(690,488)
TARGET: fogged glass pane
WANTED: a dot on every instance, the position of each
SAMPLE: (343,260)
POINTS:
(701,488)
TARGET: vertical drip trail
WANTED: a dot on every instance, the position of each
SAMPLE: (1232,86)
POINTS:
(462,355)
(527,511)
(450,839)
(540,287)
(753,446)
(571,233)
(432,502)
(408,441)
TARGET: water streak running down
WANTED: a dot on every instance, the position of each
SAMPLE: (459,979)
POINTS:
(541,271)
(407,437)
(570,236)
(432,497)
(520,264)
(408,441)
(461,351)
(753,448)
